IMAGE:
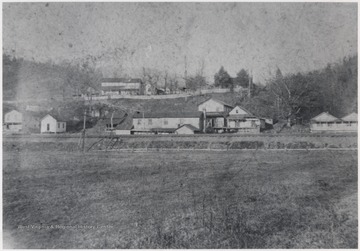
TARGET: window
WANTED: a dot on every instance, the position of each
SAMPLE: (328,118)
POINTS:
(48,127)
(150,121)
(330,124)
(139,122)
(348,124)
(237,111)
(64,125)
(165,122)
(58,125)
(218,109)
(253,124)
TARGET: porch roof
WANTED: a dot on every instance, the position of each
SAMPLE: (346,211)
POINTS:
(216,114)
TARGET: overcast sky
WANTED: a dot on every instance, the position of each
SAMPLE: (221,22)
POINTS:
(124,37)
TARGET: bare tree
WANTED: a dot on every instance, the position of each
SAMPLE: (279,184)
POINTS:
(294,93)
(152,77)
(173,83)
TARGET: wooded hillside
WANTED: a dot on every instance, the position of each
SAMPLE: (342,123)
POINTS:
(23,79)
(300,95)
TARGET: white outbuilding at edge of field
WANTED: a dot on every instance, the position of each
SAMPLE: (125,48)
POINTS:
(186,129)
(52,124)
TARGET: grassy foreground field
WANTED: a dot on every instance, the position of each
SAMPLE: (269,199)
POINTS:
(242,199)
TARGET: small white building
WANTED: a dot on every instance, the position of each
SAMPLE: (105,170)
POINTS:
(242,121)
(52,124)
(186,129)
(26,122)
(13,121)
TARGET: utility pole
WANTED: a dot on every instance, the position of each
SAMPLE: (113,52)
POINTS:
(83,132)
(204,120)
(111,121)
(185,76)
(143,120)
(250,82)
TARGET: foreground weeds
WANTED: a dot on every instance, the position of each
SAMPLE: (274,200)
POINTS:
(252,199)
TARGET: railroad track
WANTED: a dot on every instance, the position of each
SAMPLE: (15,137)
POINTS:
(223,135)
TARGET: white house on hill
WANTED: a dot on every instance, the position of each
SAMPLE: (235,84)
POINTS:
(52,124)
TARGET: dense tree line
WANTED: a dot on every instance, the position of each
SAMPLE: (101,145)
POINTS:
(222,79)
(301,96)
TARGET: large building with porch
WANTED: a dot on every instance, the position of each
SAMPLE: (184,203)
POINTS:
(325,122)
(215,113)
(165,122)
(350,122)
(241,120)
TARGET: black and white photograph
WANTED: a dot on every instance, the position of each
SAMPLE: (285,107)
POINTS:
(180,125)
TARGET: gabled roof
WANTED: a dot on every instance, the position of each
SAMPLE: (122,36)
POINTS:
(191,127)
(216,100)
(242,108)
(121,80)
(325,117)
(350,118)
(174,114)
(13,110)
(117,88)
(57,117)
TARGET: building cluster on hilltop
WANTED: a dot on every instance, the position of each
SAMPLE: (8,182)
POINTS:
(115,87)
